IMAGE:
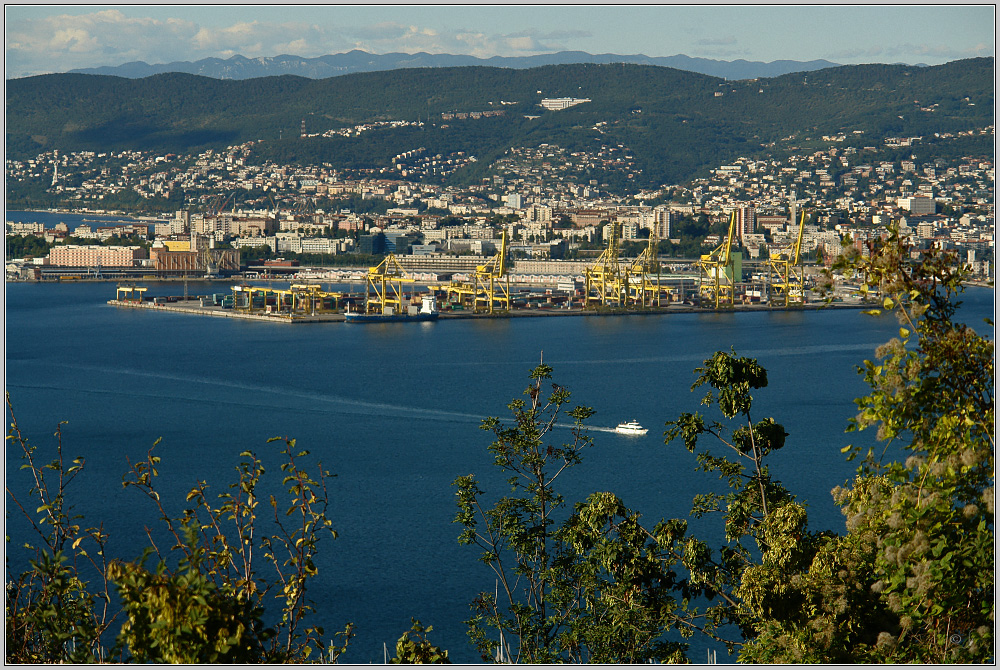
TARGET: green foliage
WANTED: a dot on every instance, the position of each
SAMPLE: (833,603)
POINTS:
(912,579)
(183,617)
(418,650)
(755,508)
(224,545)
(210,608)
(933,391)
(22,246)
(521,526)
(52,615)
(626,584)
(594,587)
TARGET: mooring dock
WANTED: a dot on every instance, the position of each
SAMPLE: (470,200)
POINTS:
(197,307)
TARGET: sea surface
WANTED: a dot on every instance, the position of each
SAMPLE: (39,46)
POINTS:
(393,410)
(73,219)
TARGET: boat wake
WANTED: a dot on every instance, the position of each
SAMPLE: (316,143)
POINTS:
(341,404)
(344,404)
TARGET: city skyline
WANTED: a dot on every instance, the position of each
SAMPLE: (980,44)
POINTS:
(43,39)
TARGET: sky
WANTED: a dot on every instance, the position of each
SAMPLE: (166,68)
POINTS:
(42,39)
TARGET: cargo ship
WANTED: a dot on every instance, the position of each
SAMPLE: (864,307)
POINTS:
(428,312)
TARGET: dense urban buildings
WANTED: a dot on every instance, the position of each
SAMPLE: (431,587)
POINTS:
(537,194)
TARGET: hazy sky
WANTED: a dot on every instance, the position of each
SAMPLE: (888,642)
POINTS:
(46,38)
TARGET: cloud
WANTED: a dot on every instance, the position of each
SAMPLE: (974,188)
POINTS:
(567,35)
(393,36)
(64,42)
(110,37)
(72,40)
(723,47)
(911,53)
(716,41)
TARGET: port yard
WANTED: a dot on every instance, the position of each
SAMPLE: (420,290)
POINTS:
(611,286)
(205,305)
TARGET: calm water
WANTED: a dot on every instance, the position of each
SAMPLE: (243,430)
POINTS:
(72,220)
(394,410)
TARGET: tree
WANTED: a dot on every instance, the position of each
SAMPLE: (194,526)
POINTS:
(418,650)
(210,608)
(52,614)
(594,587)
(758,512)
(932,392)
(218,547)
(912,579)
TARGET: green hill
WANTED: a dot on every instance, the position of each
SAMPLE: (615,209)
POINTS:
(675,123)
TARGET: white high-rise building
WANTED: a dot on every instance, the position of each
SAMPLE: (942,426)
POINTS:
(917,205)
(746,221)
(663,219)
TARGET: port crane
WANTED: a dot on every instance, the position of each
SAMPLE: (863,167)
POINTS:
(489,289)
(718,272)
(790,286)
(606,282)
(130,293)
(384,289)
(297,298)
(642,292)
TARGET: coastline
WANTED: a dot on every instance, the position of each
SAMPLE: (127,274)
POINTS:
(215,311)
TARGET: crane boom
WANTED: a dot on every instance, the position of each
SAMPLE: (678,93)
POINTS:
(798,240)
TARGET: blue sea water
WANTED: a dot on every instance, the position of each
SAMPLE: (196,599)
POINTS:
(71,219)
(394,411)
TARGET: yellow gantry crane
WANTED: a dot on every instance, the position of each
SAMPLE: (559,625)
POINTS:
(606,282)
(297,299)
(489,289)
(642,292)
(129,293)
(492,280)
(384,290)
(790,286)
(718,271)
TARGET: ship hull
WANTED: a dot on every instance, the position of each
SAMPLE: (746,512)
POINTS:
(387,318)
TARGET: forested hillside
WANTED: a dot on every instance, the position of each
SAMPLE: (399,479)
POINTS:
(675,123)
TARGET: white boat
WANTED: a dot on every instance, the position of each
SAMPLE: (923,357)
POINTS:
(631,428)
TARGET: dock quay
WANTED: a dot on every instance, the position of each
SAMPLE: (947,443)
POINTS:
(197,308)
(227,313)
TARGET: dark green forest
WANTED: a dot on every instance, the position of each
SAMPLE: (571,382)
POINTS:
(674,122)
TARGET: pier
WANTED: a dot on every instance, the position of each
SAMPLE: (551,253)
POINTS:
(196,306)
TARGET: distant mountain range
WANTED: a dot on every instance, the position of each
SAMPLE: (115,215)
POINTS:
(322,67)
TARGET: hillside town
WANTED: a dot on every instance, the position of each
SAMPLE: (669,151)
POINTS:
(540,196)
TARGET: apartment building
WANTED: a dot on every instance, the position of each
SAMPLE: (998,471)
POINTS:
(77,255)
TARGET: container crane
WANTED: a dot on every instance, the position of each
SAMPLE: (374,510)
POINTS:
(385,284)
(791,283)
(489,289)
(718,271)
(606,283)
(642,292)
(492,280)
